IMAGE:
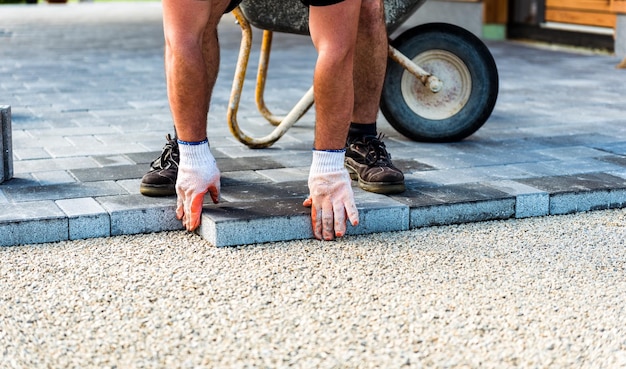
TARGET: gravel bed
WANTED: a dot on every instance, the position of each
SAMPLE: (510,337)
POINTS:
(534,293)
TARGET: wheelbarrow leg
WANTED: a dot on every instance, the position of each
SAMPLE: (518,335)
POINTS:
(264,60)
(235,97)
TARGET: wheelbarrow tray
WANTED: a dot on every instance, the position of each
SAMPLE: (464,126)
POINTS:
(291,16)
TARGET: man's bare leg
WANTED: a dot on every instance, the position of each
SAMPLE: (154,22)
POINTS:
(331,198)
(190,27)
(370,61)
(367,158)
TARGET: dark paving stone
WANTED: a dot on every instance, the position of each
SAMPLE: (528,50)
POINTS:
(260,209)
(250,163)
(408,166)
(144,157)
(111,173)
(63,191)
(576,183)
(617,159)
(417,196)
(269,191)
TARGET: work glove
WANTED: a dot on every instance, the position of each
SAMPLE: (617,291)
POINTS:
(330,195)
(197,175)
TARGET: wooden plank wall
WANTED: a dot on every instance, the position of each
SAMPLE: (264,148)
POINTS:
(496,11)
(618,6)
(584,12)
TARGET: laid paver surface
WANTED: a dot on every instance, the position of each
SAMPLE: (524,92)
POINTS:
(85,85)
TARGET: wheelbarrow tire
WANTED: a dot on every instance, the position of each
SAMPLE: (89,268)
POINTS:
(470,84)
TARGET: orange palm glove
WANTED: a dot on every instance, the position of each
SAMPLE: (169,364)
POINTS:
(197,175)
(330,195)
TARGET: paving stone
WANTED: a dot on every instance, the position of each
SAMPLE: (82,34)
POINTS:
(529,201)
(32,153)
(144,157)
(133,214)
(462,193)
(32,222)
(286,174)
(63,191)
(462,212)
(23,180)
(113,160)
(111,173)
(130,185)
(618,148)
(572,152)
(268,190)
(252,163)
(615,159)
(584,192)
(44,165)
(71,151)
(575,183)
(286,219)
(455,203)
(572,202)
(53,177)
(86,217)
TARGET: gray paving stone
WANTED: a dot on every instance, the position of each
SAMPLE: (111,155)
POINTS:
(44,165)
(53,177)
(86,218)
(130,185)
(32,222)
(133,214)
(33,153)
(572,152)
(101,149)
(572,202)
(286,174)
(3,198)
(113,160)
(529,201)
(463,212)
(286,219)
(614,147)
(617,199)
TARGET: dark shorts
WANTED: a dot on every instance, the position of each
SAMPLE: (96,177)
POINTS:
(320,2)
(233,4)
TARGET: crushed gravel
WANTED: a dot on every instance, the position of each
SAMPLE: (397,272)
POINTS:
(534,293)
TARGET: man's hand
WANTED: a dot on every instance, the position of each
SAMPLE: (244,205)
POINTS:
(330,196)
(197,175)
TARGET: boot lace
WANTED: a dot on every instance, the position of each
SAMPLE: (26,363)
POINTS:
(169,156)
(377,154)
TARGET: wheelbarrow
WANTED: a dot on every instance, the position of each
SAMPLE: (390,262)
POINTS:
(441,83)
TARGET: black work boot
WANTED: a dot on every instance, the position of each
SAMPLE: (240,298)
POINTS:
(368,161)
(161,178)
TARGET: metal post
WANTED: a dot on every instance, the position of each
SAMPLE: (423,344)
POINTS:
(6,165)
